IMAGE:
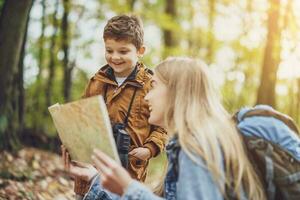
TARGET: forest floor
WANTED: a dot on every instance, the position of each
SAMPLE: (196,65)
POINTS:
(34,174)
(37,174)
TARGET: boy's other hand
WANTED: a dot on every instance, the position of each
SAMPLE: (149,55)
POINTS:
(77,169)
(141,153)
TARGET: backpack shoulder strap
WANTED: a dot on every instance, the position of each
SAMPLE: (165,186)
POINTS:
(273,113)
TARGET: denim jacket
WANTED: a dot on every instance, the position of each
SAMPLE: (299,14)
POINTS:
(187,180)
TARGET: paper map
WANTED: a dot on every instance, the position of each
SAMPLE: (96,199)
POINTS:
(84,125)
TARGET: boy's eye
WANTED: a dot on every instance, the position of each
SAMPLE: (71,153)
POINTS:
(109,51)
(123,52)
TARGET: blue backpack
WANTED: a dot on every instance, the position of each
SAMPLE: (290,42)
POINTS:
(272,143)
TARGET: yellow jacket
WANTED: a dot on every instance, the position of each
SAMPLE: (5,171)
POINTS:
(142,134)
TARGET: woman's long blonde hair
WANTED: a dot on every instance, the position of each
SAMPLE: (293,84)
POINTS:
(194,111)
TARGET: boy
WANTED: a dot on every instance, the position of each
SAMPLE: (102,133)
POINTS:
(124,82)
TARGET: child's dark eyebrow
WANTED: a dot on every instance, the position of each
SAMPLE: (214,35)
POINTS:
(124,49)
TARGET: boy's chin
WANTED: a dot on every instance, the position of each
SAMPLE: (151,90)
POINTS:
(125,72)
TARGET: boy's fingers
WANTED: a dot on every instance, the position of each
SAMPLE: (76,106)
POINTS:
(63,152)
(134,151)
(64,157)
(134,156)
(67,160)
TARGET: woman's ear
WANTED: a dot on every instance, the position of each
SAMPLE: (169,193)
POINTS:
(141,51)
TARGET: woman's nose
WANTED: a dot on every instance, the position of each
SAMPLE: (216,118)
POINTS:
(147,97)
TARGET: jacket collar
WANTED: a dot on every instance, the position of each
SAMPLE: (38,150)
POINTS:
(110,73)
(136,78)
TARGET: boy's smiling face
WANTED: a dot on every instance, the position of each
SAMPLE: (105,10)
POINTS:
(122,56)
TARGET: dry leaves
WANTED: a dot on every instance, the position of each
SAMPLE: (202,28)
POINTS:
(34,174)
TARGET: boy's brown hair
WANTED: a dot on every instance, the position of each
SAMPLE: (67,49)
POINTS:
(125,27)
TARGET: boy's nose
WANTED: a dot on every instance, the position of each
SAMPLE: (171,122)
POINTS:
(115,56)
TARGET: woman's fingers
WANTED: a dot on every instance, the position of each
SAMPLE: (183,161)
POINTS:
(80,164)
(100,166)
(78,172)
(107,167)
(104,159)
(113,176)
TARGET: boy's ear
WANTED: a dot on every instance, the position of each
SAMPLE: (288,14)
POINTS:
(141,51)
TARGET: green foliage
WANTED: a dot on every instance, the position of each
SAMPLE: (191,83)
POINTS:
(79,83)
(194,37)
(3,123)
(1,5)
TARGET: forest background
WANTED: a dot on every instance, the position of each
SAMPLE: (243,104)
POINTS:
(50,48)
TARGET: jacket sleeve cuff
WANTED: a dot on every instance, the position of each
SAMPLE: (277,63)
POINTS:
(137,190)
(81,186)
(153,149)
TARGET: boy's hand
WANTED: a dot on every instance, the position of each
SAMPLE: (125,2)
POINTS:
(113,176)
(77,169)
(141,153)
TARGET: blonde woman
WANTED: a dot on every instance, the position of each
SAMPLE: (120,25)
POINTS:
(206,156)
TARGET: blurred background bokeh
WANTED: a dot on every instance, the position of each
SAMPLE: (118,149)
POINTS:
(50,48)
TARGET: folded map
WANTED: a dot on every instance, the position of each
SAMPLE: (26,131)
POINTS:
(83,125)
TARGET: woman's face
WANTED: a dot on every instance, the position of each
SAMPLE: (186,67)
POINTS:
(157,100)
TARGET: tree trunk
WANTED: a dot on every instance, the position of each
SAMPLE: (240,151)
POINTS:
(41,45)
(1,5)
(19,81)
(65,46)
(210,44)
(39,83)
(51,67)
(13,22)
(266,92)
(131,4)
(169,36)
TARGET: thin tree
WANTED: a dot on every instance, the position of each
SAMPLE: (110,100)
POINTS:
(131,4)
(1,5)
(168,34)
(19,101)
(13,22)
(266,91)
(51,67)
(41,44)
(210,43)
(67,66)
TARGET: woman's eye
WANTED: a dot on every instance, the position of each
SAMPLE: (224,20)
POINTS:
(152,83)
